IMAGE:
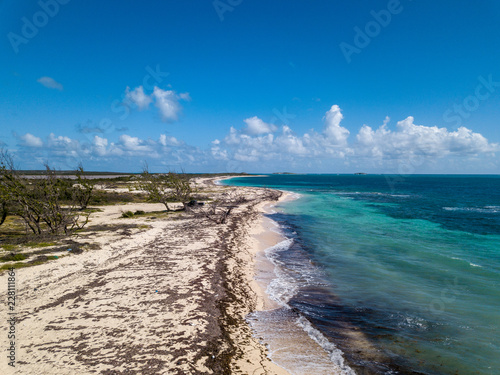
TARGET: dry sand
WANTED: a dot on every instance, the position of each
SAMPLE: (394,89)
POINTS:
(158,295)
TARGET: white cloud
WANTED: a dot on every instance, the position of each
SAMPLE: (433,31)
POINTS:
(50,83)
(168,141)
(290,143)
(134,144)
(59,141)
(100,145)
(167,101)
(411,139)
(332,143)
(216,151)
(251,144)
(65,146)
(185,96)
(405,148)
(233,138)
(256,126)
(166,148)
(333,131)
(138,97)
(30,140)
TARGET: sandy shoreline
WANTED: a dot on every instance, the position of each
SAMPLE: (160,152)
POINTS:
(288,343)
(148,295)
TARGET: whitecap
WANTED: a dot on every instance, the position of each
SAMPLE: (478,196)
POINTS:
(485,209)
(336,355)
(470,263)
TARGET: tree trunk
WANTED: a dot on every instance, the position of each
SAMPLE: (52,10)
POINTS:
(4,213)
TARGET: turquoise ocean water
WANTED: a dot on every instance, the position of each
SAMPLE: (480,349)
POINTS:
(410,264)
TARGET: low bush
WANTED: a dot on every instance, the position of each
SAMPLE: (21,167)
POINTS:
(127,214)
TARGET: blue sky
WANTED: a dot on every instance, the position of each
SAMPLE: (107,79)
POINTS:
(257,86)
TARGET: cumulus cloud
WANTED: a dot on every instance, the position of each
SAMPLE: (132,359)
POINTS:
(64,146)
(261,147)
(99,145)
(138,97)
(291,143)
(50,83)
(257,142)
(167,101)
(333,131)
(411,139)
(135,144)
(168,141)
(29,140)
(165,148)
(256,126)
(216,151)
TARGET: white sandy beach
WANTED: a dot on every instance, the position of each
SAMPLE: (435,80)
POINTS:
(161,296)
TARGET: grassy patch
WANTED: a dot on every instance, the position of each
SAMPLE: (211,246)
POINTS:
(107,227)
(12,225)
(8,247)
(13,257)
(15,265)
(40,244)
(159,214)
(39,260)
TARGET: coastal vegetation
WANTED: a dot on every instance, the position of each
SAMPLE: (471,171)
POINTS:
(48,204)
(48,209)
(165,188)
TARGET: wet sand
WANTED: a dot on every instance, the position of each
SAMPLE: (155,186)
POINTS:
(277,326)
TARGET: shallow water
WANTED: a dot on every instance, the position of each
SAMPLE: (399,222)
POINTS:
(399,273)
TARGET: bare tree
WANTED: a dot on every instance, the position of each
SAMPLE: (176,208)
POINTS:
(82,191)
(181,189)
(165,188)
(59,216)
(42,203)
(4,198)
(219,209)
(17,193)
(3,204)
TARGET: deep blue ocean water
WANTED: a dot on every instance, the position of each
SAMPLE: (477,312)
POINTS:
(401,273)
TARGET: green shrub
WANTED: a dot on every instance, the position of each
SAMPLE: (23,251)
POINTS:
(127,214)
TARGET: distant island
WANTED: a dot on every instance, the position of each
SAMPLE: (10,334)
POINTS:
(360,173)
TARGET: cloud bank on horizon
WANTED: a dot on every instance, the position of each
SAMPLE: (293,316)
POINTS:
(264,147)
